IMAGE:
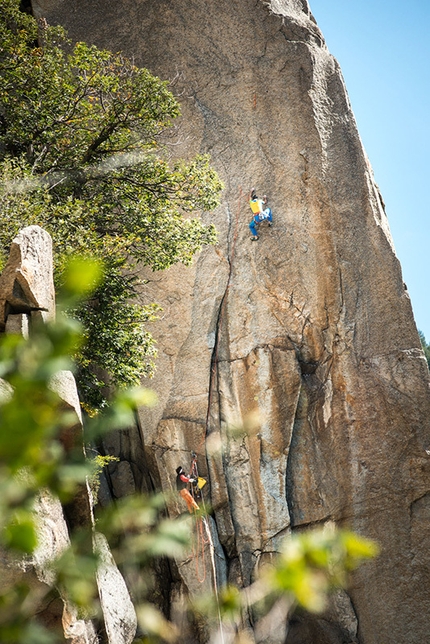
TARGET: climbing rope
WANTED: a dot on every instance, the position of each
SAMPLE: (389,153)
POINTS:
(203,533)
(214,365)
(204,538)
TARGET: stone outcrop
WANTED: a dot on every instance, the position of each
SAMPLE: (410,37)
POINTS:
(307,335)
(53,539)
(26,285)
(118,611)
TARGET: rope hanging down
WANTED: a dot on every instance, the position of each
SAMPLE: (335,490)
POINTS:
(201,540)
(204,536)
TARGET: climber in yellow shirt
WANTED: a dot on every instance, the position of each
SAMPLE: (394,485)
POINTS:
(261,212)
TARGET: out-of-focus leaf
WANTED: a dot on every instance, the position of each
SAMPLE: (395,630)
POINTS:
(80,277)
(21,534)
(152,622)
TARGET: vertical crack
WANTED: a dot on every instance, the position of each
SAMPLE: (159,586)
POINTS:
(231,243)
(289,465)
(214,389)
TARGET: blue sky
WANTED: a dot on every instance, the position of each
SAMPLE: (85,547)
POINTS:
(383,49)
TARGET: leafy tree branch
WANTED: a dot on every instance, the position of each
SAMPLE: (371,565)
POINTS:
(80,155)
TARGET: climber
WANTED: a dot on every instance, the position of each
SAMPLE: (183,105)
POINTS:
(261,212)
(182,480)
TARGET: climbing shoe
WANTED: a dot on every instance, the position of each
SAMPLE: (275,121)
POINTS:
(253,238)
(270,225)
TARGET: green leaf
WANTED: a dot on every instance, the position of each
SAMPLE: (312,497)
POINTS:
(81,277)
(21,534)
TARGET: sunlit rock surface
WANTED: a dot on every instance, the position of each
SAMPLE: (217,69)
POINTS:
(306,335)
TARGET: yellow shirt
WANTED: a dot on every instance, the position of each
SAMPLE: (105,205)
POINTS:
(256,206)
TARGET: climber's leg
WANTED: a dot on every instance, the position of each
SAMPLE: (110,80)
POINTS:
(191,504)
(268,215)
(253,229)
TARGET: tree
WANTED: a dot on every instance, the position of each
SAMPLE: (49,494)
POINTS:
(81,155)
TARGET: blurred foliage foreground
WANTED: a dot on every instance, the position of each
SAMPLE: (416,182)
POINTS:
(34,461)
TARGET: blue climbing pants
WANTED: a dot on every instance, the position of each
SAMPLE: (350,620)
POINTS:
(267,212)
(253,226)
(266,215)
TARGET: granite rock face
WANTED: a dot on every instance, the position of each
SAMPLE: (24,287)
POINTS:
(307,335)
(53,539)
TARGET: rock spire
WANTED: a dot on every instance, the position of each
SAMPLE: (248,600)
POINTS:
(307,333)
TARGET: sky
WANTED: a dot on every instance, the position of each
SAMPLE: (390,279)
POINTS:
(383,49)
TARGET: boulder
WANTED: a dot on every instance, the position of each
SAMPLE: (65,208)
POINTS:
(118,611)
(26,283)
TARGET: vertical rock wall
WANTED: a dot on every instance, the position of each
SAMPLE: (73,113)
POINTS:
(310,328)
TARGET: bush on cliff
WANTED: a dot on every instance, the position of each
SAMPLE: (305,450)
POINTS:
(81,156)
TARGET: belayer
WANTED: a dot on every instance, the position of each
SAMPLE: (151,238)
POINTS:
(261,212)
(182,481)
